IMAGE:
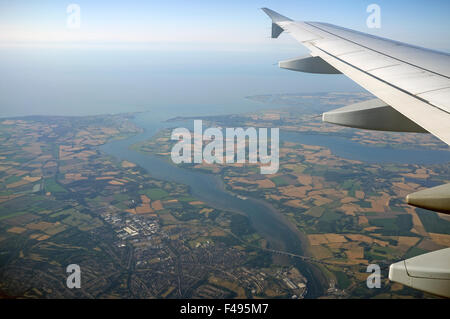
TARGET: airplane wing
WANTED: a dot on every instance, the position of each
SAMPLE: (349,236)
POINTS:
(412,85)
(413,89)
(412,80)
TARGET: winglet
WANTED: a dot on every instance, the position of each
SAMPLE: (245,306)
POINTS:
(276,29)
(276,17)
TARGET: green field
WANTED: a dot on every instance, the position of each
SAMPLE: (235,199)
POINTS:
(155,193)
(432,222)
(401,224)
(12,179)
(187,199)
(342,279)
(50,185)
(84,222)
(315,211)
(279,181)
(6,216)
(330,216)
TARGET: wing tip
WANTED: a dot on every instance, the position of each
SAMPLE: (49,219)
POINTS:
(275,16)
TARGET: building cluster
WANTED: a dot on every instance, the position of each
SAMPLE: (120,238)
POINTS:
(132,228)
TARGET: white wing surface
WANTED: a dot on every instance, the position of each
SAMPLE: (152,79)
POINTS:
(412,80)
(413,89)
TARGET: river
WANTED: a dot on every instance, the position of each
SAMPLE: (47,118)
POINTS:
(267,221)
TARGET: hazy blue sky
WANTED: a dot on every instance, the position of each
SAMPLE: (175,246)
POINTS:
(231,21)
(138,55)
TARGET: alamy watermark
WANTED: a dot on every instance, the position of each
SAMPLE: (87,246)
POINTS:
(74,278)
(189,147)
(374,19)
(374,279)
(74,16)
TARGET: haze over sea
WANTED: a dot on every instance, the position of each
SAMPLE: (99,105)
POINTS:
(197,55)
(81,81)
(162,81)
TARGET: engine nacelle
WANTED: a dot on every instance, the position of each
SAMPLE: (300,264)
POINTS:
(436,198)
(428,272)
(308,64)
(372,115)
